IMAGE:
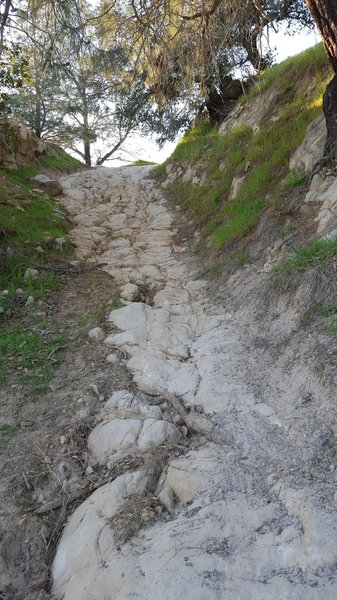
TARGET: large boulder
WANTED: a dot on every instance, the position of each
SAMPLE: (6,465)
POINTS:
(51,186)
(18,144)
(312,147)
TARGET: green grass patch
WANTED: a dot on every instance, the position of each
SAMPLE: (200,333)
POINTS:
(26,218)
(315,254)
(260,160)
(313,60)
(32,358)
(37,219)
(20,176)
(8,430)
(328,312)
(195,141)
(141,163)
(212,270)
(295,179)
(57,158)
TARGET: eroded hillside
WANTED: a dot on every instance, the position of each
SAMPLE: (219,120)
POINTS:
(187,441)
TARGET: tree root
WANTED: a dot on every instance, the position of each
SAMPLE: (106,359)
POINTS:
(197,424)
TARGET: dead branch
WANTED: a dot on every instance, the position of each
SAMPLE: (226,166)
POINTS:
(64,270)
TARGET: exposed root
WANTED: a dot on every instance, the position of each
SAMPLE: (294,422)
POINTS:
(197,424)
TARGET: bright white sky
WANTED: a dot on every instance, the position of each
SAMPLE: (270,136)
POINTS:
(285,46)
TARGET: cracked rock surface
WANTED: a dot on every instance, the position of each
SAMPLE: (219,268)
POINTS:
(240,520)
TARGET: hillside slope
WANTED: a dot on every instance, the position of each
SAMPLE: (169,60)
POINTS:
(227,179)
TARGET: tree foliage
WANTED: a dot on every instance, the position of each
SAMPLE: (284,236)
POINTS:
(101,70)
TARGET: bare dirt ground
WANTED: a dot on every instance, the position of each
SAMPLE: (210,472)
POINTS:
(43,449)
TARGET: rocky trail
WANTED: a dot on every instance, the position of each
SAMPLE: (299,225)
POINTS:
(225,449)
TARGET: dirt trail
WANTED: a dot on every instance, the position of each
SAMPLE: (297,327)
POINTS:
(222,496)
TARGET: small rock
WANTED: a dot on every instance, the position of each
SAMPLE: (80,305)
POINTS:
(63,440)
(131,292)
(19,291)
(5,292)
(51,186)
(93,387)
(64,468)
(178,420)
(30,300)
(40,314)
(39,249)
(97,334)
(111,358)
(59,243)
(74,263)
(184,430)
(31,273)
(166,498)
(89,470)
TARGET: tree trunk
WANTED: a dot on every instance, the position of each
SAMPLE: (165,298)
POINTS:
(324,13)
(38,114)
(106,156)
(250,44)
(87,153)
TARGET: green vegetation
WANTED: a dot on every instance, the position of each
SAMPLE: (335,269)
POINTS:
(328,312)
(283,75)
(57,158)
(256,164)
(140,163)
(212,270)
(318,252)
(8,430)
(29,220)
(31,356)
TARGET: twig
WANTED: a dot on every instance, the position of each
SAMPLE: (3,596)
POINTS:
(63,270)
(50,356)
(25,479)
(58,502)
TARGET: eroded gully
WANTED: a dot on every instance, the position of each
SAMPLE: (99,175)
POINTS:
(215,460)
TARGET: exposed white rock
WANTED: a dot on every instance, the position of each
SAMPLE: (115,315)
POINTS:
(245,525)
(96,334)
(131,292)
(312,147)
(31,273)
(87,539)
(155,433)
(111,436)
(59,243)
(193,473)
(126,401)
(51,186)
(237,184)
(167,499)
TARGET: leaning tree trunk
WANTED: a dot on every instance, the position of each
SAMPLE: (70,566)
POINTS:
(324,13)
